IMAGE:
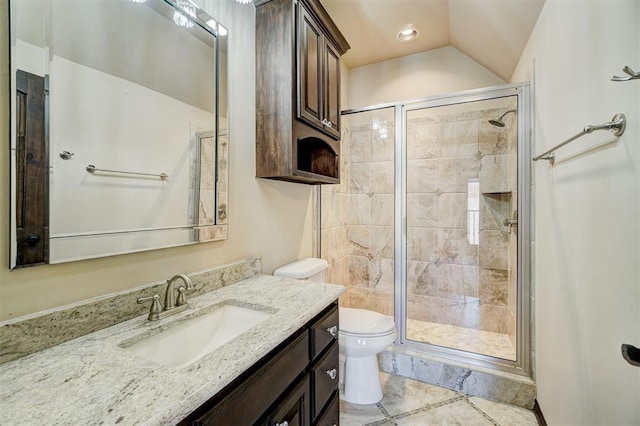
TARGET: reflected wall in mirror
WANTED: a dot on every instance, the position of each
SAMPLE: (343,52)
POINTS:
(119,128)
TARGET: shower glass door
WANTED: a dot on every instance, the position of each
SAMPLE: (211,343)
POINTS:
(430,223)
(459,205)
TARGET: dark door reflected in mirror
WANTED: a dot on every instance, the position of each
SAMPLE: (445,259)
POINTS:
(31,196)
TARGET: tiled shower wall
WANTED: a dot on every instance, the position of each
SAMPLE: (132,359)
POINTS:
(358,241)
(450,281)
(370,231)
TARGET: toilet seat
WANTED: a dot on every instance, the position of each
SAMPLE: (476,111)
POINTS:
(365,335)
(364,323)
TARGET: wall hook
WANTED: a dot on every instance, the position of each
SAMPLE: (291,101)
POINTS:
(632,75)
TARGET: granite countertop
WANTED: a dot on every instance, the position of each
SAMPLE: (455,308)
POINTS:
(92,380)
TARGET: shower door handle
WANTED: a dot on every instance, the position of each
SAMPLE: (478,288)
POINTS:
(511,222)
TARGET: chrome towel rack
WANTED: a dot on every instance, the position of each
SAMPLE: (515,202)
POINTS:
(92,169)
(631,75)
(617,125)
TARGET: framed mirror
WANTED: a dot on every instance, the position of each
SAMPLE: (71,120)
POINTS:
(119,128)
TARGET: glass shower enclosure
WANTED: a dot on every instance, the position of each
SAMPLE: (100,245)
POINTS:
(436,228)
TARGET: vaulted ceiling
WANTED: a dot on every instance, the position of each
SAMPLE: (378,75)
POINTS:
(491,32)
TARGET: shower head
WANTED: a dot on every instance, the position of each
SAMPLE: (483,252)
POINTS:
(498,121)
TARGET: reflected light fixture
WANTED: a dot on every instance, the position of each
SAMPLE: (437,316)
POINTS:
(220,30)
(180,18)
(138,1)
(407,33)
(244,1)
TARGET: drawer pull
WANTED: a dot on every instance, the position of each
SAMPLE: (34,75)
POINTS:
(333,373)
(333,330)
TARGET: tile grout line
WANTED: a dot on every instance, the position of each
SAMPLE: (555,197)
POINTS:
(410,413)
(384,410)
(485,415)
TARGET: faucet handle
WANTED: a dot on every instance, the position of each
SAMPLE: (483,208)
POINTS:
(156,307)
(182,298)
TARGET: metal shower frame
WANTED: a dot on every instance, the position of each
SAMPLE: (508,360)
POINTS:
(522,364)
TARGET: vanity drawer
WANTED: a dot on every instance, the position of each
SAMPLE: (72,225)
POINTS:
(324,380)
(331,415)
(248,402)
(324,332)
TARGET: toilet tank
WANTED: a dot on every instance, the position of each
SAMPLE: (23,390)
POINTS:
(310,268)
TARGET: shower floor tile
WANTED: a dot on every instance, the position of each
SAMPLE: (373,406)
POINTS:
(410,402)
(466,339)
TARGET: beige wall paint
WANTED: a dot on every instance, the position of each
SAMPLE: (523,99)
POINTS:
(587,231)
(435,72)
(267,218)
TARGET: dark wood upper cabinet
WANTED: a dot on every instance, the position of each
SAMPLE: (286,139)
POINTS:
(298,49)
(332,90)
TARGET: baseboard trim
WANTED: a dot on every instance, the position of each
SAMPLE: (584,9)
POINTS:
(538,412)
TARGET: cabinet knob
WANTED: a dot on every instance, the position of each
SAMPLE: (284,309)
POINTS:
(333,373)
(333,330)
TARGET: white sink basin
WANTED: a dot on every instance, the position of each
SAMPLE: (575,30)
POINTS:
(190,340)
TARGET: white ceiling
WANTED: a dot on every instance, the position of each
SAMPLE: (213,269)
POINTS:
(491,32)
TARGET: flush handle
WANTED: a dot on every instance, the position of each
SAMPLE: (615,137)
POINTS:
(333,330)
(333,373)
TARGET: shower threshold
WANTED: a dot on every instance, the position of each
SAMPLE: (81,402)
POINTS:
(469,340)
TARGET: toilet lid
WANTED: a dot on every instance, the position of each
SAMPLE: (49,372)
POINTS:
(362,321)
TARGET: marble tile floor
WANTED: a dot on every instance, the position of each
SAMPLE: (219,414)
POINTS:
(410,402)
(466,339)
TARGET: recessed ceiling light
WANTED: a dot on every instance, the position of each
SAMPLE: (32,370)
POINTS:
(407,33)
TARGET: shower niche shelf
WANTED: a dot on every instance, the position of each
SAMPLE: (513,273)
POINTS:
(298,50)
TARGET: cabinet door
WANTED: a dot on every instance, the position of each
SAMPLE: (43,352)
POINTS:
(295,409)
(310,46)
(331,90)
(247,403)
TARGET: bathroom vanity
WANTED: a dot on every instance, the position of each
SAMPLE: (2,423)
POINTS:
(282,369)
(296,383)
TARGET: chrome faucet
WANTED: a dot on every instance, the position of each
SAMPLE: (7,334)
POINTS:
(172,304)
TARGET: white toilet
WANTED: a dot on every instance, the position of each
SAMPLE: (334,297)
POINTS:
(362,335)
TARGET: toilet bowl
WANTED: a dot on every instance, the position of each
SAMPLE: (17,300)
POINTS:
(362,335)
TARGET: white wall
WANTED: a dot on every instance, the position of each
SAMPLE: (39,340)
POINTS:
(81,202)
(435,72)
(587,211)
(266,218)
